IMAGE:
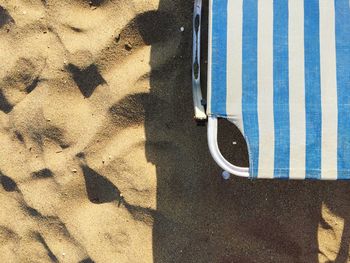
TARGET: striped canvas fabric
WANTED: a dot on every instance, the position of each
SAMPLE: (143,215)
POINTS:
(280,70)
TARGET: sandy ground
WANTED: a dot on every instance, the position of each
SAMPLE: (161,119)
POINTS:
(100,160)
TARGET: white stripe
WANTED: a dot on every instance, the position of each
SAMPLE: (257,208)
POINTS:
(328,90)
(234,61)
(265,89)
(297,89)
(210,30)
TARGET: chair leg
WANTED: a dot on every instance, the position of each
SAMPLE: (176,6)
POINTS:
(199,111)
(226,175)
(216,154)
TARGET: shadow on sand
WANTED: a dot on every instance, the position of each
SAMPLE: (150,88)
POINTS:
(204,219)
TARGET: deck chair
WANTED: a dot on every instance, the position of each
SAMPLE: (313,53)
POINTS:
(280,71)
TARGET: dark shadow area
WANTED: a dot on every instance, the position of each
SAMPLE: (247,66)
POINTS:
(98,188)
(32,211)
(44,173)
(5,17)
(75,29)
(7,183)
(139,213)
(202,217)
(131,109)
(87,260)
(337,199)
(51,255)
(19,136)
(96,2)
(53,133)
(147,22)
(5,106)
(343,254)
(87,79)
(33,85)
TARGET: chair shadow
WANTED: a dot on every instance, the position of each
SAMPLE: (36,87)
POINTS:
(200,217)
(336,198)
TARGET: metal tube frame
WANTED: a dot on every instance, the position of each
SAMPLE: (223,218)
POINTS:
(216,154)
(199,111)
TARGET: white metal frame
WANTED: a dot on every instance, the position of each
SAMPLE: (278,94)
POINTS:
(199,110)
(216,154)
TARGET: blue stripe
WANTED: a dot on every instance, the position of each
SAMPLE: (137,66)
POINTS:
(281,88)
(219,57)
(249,82)
(342,31)
(312,89)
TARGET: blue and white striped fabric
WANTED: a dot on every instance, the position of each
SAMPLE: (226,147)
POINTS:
(280,70)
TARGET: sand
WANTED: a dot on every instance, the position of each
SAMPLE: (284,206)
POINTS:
(101,161)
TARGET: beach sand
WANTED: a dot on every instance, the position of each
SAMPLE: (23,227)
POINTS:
(101,161)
